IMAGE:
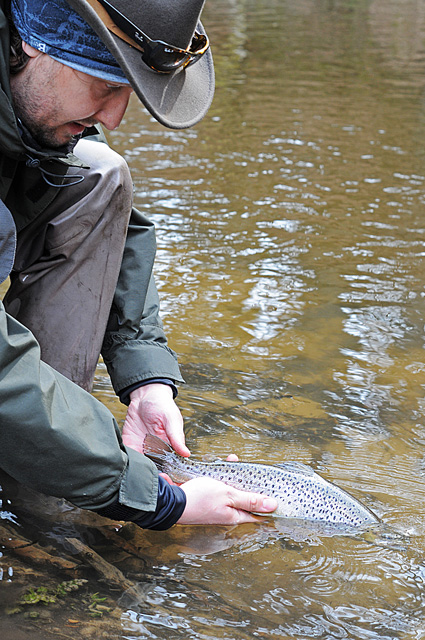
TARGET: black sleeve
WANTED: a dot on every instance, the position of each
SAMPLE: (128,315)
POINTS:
(124,395)
(169,507)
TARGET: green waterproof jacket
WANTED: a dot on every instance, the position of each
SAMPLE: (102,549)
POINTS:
(56,437)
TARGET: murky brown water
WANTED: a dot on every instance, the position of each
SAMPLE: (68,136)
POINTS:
(291,270)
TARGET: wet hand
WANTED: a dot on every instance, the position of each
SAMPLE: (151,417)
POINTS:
(152,410)
(209,501)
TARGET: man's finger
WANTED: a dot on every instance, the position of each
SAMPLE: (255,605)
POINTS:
(179,446)
(254,502)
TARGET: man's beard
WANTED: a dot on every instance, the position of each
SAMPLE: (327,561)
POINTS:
(45,137)
(28,111)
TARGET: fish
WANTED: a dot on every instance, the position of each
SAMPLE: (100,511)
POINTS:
(301,493)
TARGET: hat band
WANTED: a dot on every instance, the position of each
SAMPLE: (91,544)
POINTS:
(110,24)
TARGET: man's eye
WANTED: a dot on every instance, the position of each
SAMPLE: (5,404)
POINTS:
(111,86)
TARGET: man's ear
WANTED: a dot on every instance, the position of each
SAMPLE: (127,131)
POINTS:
(30,51)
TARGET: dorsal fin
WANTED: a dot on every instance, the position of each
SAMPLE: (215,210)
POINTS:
(296,467)
(156,449)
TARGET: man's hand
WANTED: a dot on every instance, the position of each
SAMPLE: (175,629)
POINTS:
(212,502)
(153,410)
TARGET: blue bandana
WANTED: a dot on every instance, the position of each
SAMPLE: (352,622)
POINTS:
(51,26)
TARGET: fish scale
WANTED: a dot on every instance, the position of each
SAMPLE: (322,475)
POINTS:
(300,492)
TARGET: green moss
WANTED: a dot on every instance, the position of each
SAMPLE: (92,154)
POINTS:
(46,596)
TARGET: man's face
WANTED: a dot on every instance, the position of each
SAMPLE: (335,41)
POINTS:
(56,102)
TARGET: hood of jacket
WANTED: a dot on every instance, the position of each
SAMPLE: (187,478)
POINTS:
(10,140)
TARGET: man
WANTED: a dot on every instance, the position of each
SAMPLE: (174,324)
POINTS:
(81,263)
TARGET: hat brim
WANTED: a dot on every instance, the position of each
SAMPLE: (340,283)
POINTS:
(177,100)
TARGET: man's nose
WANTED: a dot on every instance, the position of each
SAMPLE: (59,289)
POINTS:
(113,108)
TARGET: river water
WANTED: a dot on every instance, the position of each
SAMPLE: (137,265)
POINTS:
(290,265)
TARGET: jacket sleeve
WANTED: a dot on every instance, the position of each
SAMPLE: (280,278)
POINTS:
(55,436)
(135,346)
(58,438)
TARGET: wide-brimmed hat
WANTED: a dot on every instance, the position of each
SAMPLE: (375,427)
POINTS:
(179,98)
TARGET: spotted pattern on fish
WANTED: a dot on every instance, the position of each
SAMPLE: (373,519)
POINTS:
(300,491)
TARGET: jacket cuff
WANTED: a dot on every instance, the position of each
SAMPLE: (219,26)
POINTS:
(132,361)
(125,393)
(139,483)
(171,502)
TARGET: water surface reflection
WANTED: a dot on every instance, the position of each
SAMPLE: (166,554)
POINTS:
(290,265)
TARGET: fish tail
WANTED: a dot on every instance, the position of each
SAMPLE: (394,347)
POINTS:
(157,450)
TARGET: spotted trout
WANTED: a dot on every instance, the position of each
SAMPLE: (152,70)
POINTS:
(300,492)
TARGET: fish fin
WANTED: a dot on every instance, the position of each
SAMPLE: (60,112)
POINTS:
(210,457)
(296,467)
(156,449)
